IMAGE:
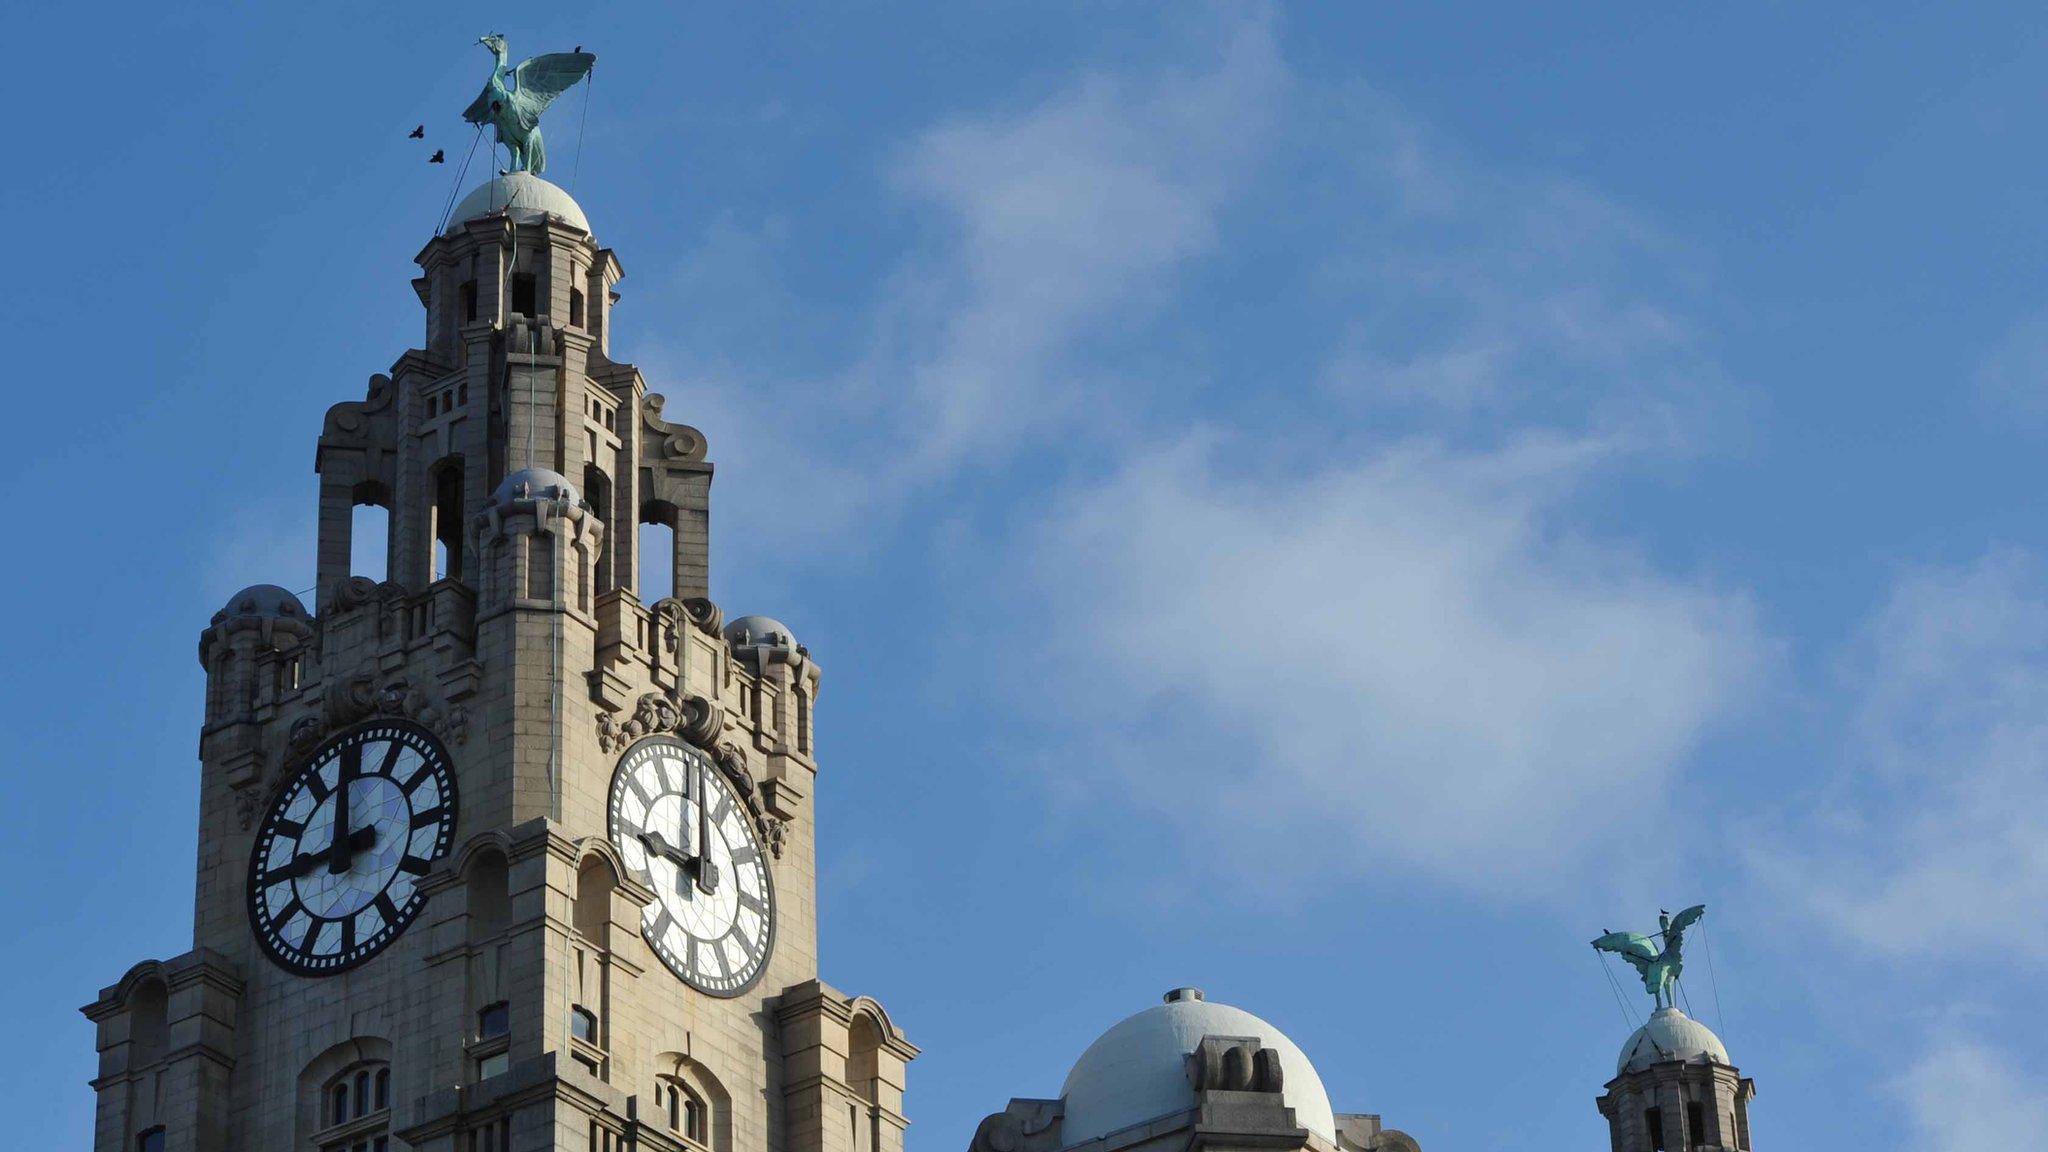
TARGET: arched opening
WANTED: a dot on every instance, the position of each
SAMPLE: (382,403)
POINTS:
(657,551)
(345,1096)
(468,295)
(447,526)
(490,904)
(593,912)
(863,1050)
(525,294)
(369,533)
(597,492)
(576,307)
(148,1023)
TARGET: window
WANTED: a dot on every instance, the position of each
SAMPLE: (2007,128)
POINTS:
(337,1112)
(583,1024)
(151,1140)
(687,1115)
(495,1136)
(1695,1124)
(468,294)
(358,1106)
(576,307)
(493,1021)
(383,1100)
(1653,1122)
(524,293)
(448,519)
(493,1065)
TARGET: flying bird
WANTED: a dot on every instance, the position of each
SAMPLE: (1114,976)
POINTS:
(514,108)
(419,133)
(439,157)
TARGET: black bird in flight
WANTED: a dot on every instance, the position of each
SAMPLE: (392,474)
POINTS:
(438,157)
(419,133)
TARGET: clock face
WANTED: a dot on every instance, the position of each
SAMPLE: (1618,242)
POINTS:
(678,823)
(334,874)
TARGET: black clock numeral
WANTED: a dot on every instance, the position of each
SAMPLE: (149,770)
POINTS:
(351,762)
(753,902)
(746,854)
(720,810)
(426,818)
(317,786)
(290,829)
(386,909)
(348,934)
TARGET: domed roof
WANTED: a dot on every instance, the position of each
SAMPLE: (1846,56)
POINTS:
(525,196)
(1670,1035)
(263,601)
(535,484)
(766,631)
(1138,1070)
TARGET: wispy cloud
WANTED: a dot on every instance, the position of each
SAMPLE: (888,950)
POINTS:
(1406,658)
(1937,828)
(1964,1096)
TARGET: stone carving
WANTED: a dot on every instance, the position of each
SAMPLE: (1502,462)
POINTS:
(678,441)
(361,697)
(734,764)
(248,802)
(774,832)
(705,615)
(1234,1064)
(305,733)
(1025,1126)
(701,722)
(653,712)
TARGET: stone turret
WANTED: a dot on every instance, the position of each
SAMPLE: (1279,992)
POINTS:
(1675,1090)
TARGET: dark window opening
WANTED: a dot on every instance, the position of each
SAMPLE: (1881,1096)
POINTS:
(1653,1119)
(494,1020)
(525,293)
(583,1024)
(576,307)
(586,1063)
(468,293)
(151,1140)
(448,521)
(383,1089)
(1695,1124)
(597,492)
(657,562)
(340,1103)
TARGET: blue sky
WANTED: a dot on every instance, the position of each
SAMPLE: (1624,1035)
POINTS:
(1333,504)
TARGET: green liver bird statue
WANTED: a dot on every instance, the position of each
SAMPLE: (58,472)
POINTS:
(515,97)
(1659,965)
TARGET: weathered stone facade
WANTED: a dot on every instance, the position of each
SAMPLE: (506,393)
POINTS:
(522,1009)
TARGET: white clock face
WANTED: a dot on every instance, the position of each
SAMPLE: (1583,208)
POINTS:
(678,824)
(334,874)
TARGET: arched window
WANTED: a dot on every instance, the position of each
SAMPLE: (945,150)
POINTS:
(583,1024)
(150,1140)
(356,1110)
(657,551)
(576,307)
(692,1111)
(369,533)
(597,492)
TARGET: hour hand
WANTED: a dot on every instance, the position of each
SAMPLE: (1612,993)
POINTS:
(658,845)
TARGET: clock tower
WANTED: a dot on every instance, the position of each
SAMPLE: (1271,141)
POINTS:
(495,854)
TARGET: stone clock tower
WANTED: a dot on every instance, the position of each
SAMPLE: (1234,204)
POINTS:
(495,856)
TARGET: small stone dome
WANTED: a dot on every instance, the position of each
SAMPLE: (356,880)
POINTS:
(525,197)
(535,484)
(1138,1070)
(1670,1035)
(264,602)
(760,632)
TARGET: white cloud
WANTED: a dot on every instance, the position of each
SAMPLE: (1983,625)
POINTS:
(1406,658)
(2012,380)
(1937,832)
(1962,1096)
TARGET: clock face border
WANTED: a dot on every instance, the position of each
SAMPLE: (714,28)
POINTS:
(612,834)
(438,763)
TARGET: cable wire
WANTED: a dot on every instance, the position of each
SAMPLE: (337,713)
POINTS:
(457,188)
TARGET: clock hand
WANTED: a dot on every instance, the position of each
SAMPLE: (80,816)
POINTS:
(658,845)
(360,840)
(707,872)
(339,855)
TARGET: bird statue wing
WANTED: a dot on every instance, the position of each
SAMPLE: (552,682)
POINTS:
(1633,947)
(479,110)
(543,78)
(1674,934)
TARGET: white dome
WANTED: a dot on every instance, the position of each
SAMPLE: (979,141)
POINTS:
(749,631)
(527,197)
(1670,1035)
(1138,1070)
(535,484)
